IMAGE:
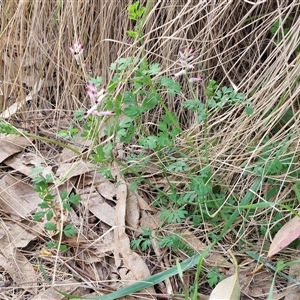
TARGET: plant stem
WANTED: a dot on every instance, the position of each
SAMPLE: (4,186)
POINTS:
(55,142)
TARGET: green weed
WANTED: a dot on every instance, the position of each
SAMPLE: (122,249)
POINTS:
(144,240)
(281,30)
(214,277)
(51,206)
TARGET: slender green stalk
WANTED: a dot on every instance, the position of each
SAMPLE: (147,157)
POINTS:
(152,280)
(271,267)
(55,142)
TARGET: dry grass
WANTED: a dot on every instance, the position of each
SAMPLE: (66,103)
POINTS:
(233,44)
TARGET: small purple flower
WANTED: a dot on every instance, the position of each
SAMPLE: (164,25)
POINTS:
(195,79)
(103,113)
(185,58)
(186,65)
(91,89)
(93,93)
(93,111)
(96,98)
(181,72)
(77,50)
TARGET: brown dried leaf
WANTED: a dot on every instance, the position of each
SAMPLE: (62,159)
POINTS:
(121,194)
(51,293)
(68,170)
(229,288)
(107,190)
(143,203)
(150,221)
(19,268)
(287,234)
(132,211)
(212,259)
(130,265)
(99,208)
(122,243)
(16,236)
(11,144)
(25,162)
(17,198)
(13,236)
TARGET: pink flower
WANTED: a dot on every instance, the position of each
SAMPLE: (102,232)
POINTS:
(92,91)
(181,72)
(96,98)
(185,64)
(195,79)
(185,58)
(93,111)
(104,113)
(95,95)
(77,50)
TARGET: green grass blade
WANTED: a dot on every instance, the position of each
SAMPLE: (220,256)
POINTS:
(246,199)
(271,267)
(150,281)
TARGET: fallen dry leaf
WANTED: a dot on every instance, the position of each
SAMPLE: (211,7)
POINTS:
(20,269)
(150,221)
(68,170)
(229,288)
(212,259)
(287,234)
(130,265)
(14,235)
(121,239)
(143,205)
(107,190)
(17,198)
(99,208)
(11,144)
(25,162)
(51,293)
(132,211)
